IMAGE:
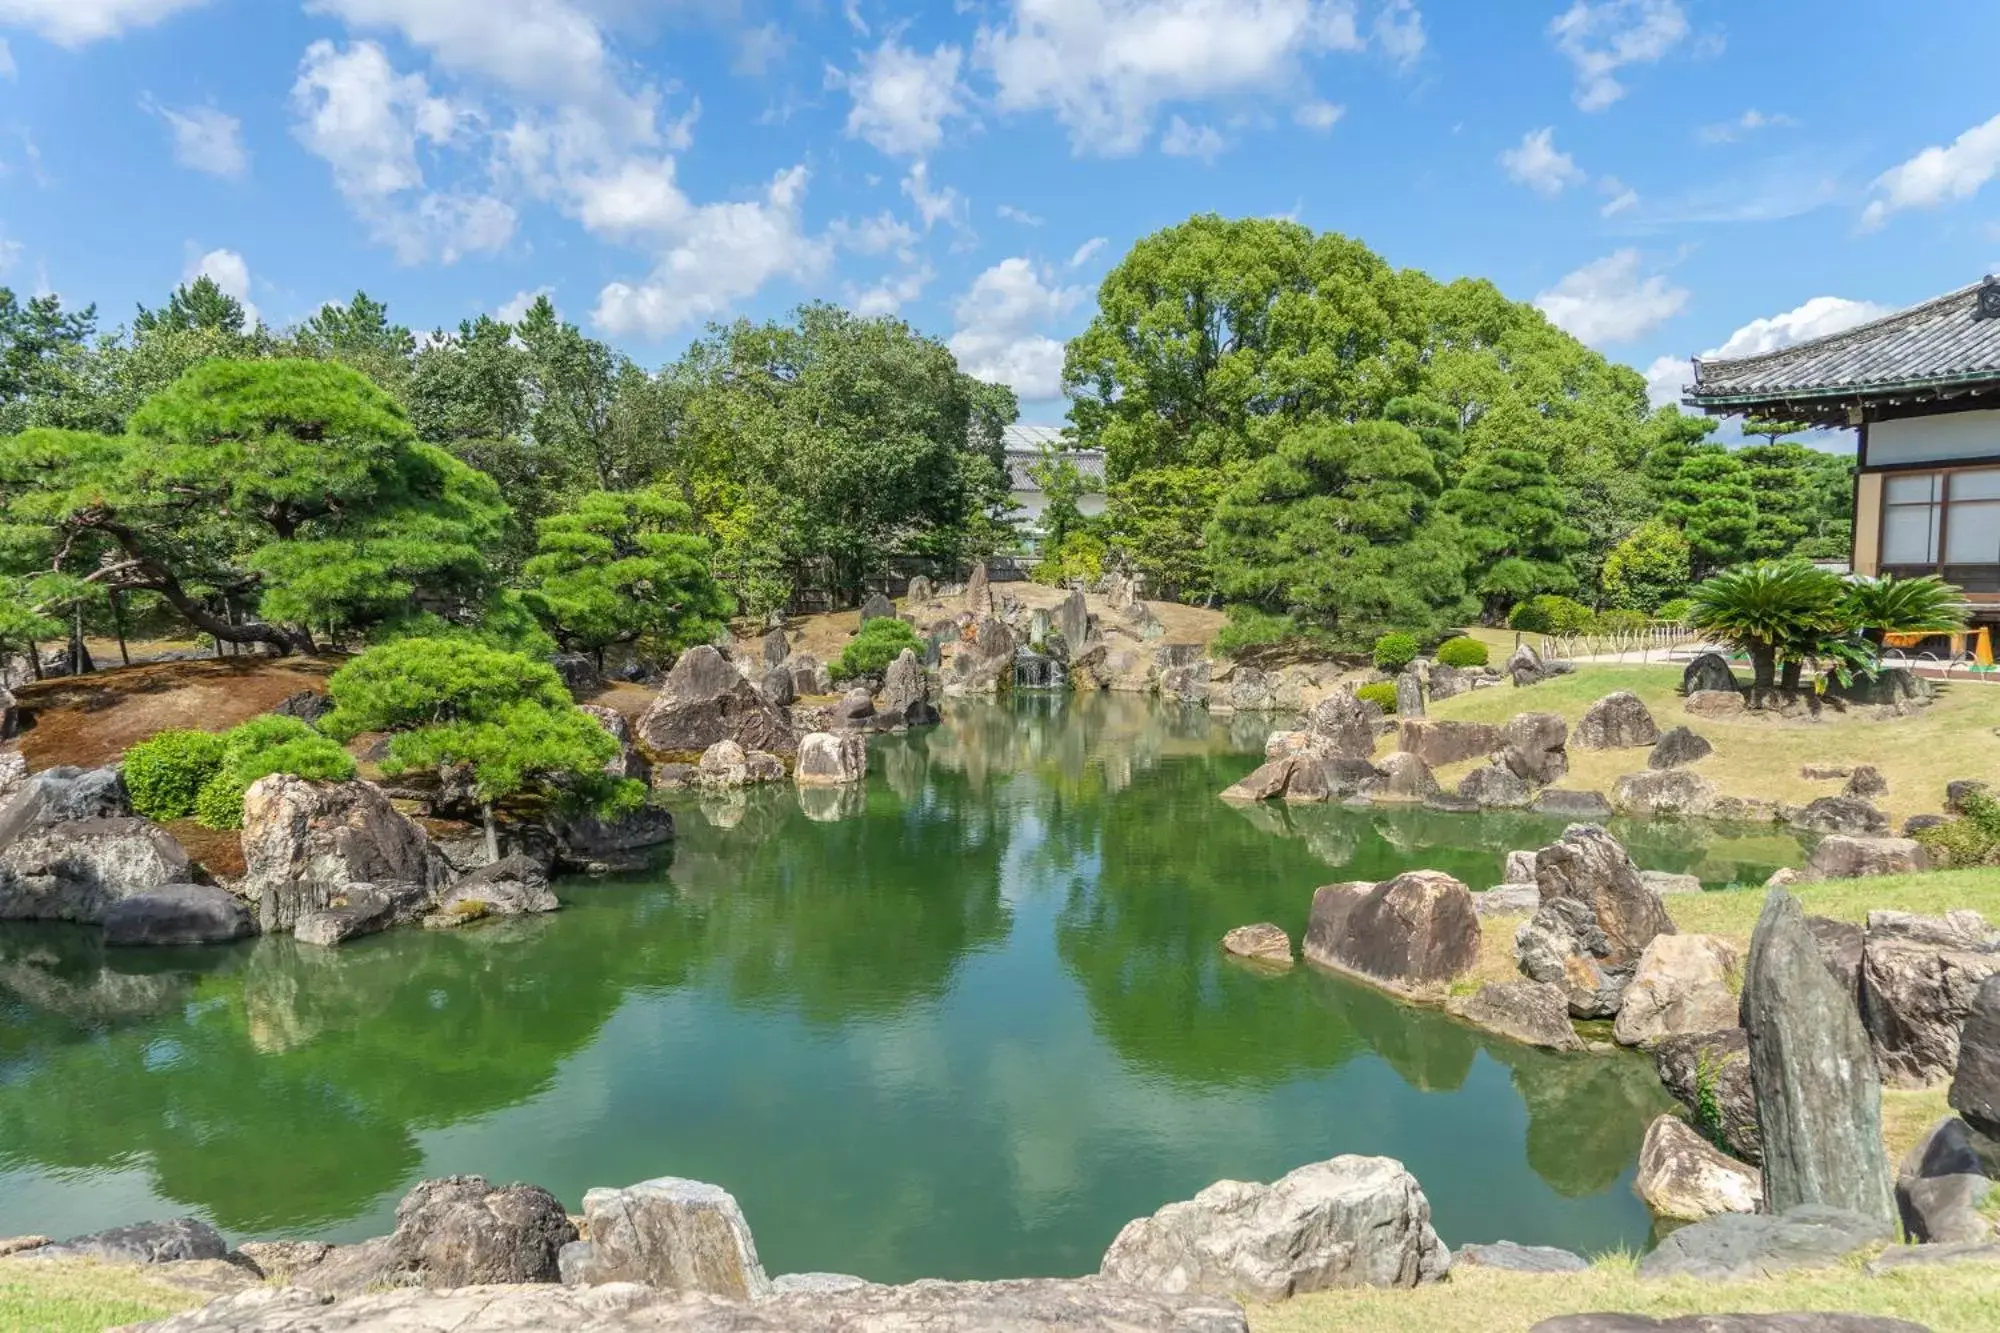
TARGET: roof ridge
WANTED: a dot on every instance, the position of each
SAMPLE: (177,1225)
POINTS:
(1895,318)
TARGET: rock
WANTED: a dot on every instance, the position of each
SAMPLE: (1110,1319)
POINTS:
(1616,722)
(877,607)
(1563,945)
(1819,1097)
(1960,796)
(855,706)
(1842,814)
(1073,620)
(827,759)
(669,1233)
(1920,977)
(1298,745)
(592,843)
(1417,928)
(13,772)
(1263,943)
(462,1232)
(307,844)
(1186,685)
(12,1245)
(815,1284)
(1590,806)
(1535,747)
(705,699)
(810,676)
(1738,1247)
(1684,1179)
(1709,673)
(178,1241)
(1337,778)
(921,1307)
(1840,944)
(1916,824)
(628,763)
(1265,783)
(1666,883)
(905,692)
(511,886)
(1839,856)
(1439,742)
(776,647)
(1590,866)
(178,914)
(62,795)
(1677,747)
(1527,668)
(1351,1221)
(1899,1257)
(1409,695)
(308,706)
(1509,1257)
(1450,804)
(1530,1012)
(1671,791)
(359,910)
(1784,877)
(1494,787)
(1684,984)
(1824,772)
(1709,1074)
(1945,1210)
(985,663)
(1975,1084)
(1866,781)
(1445,682)
(79,869)
(1717,704)
(1408,776)
(277,1260)
(1346,723)
(1520,867)
(1814,1322)
(1508,900)
(979,592)
(10,714)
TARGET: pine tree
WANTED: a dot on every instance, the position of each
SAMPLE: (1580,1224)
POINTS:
(1516,529)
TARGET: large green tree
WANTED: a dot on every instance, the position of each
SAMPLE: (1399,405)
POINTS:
(1516,529)
(1710,499)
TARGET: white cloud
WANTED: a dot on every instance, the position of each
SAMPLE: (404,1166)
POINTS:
(1185,140)
(1002,329)
(723,253)
(880,234)
(514,310)
(1749,122)
(205,139)
(1105,67)
(1602,37)
(1536,163)
(1938,174)
(758,49)
(1623,197)
(892,293)
(10,253)
(902,98)
(1610,301)
(7,70)
(636,199)
(77,22)
(1666,378)
(933,206)
(1022,216)
(1087,251)
(1818,318)
(231,273)
(1321,116)
(1399,32)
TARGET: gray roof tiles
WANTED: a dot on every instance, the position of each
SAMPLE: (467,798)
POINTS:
(1024,446)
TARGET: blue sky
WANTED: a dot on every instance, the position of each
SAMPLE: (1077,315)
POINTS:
(1664,177)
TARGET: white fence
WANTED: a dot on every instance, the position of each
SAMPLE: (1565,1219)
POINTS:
(1653,643)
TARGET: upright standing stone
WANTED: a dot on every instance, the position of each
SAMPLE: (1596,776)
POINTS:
(1073,621)
(1409,695)
(1812,1070)
(776,648)
(1975,1084)
(979,592)
(877,607)
(673,1234)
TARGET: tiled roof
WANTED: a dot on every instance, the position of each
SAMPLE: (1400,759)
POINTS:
(1024,446)
(1933,347)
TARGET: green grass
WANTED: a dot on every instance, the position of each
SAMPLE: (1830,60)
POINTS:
(50,1296)
(1733,914)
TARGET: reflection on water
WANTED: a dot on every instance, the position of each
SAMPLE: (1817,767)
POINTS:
(965,1022)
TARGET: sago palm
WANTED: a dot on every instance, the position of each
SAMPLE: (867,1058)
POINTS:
(1890,605)
(1771,610)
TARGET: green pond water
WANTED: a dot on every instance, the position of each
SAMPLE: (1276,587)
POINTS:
(963,1024)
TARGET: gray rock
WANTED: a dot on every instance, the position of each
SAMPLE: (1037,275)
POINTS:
(1526,667)
(592,843)
(1866,781)
(178,914)
(1073,620)
(1678,747)
(1712,1070)
(828,759)
(512,886)
(1804,1322)
(1825,772)
(59,795)
(1494,787)
(1900,1257)
(1589,865)
(979,591)
(669,1233)
(1944,1210)
(177,1241)
(854,706)
(1509,1257)
(1708,672)
(1721,704)
(1520,867)
(460,1231)
(1684,984)
(1409,695)
(1536,747)
(1842,814)
(877,607)
(1332,779)
(10,714)
(1840,856)
(1345,722)
(809,675)
(1840,944)
(1508,900)
(1263,943)
(78,869)
(1417,928)
(1975,1084)
(1592,806)
(13,773)
(1683,1178)
(776,648)
(628,762)
(779,688)
(1351,1221)
(1562,945)
(905,692)
(1530,1012)
(306,845)
(705,699)
(985,663)
(360,910)
(1266,782)
(1920,977)
(1666,883)
(1408,776)
(578,671)
(815,1284)
(1670,791)
(1819,1097)
(1739,1247)
(1439,742)
(1960,796)
(1616,722)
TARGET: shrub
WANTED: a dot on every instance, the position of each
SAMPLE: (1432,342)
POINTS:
(1382,694)
(1395,651)
(1461,653)
(1250,629)
(1550,614)
(1973,839)
(166,773)
(1081,556)
(257,749)
(1620,622)
(1676,612)
(1772,610)
(879,643)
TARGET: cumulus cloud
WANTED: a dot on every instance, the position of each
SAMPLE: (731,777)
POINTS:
(1003,329)
(230,272)
(1320,116)
(1939,174)
(1749,122)
(902,98)
(1821,317)
(205,139)
(1537,163)
(1666,377)
(76,23)
(1185,140)
(1611,301)
(892,293)
(1106,67)
(515,309)
(943,204)
(1399,32)
(1602,37)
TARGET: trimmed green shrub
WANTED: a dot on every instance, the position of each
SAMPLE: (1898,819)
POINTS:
(1382,694)
(1461,653)
(1620,622)
(880,642)
(1973,839)
(1676,612)
(1550,614)
(1395,651)
(166,773)
(260,747)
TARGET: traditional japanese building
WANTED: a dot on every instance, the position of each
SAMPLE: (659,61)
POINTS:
(1921,390)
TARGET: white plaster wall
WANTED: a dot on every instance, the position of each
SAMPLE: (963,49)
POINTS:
(1938,439)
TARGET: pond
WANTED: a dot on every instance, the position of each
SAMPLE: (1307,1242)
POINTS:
(965,1023)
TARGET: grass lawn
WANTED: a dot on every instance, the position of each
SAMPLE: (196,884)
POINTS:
(1757,756)
(48,1296)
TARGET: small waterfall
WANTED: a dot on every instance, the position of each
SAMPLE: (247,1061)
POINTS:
(1038,671)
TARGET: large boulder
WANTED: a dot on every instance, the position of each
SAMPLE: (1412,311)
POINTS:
(1530,1012)
(1616,722)
(877,607)
(1708,672)
(1415,929)
(984,664)
(460,1231)
(1409,694)
(628,762)
(594,843)
(671,1234)
(705,699)
(1562,945)
(78,869)
(1337,778)
(307,844)
(1345,723)
(832,759)
(1819,1097)
(177,914)
(1941,1185)
(1975,1084)
(1678,747)
(1671,791)
(1684,984)
(1266,782)
(1494,787)
(905,699)
(60,795)
(1721,705)
(512,886)
(979,591)
(1348,1222)
(182,1240)
(1840,856)
(1535,747)
(1590,866)
(1708,1073)
(1073,620)
(1439,742)
(1684,1179)
(1739,1247)
(1919,979)
(1407,776)
(1848,815)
